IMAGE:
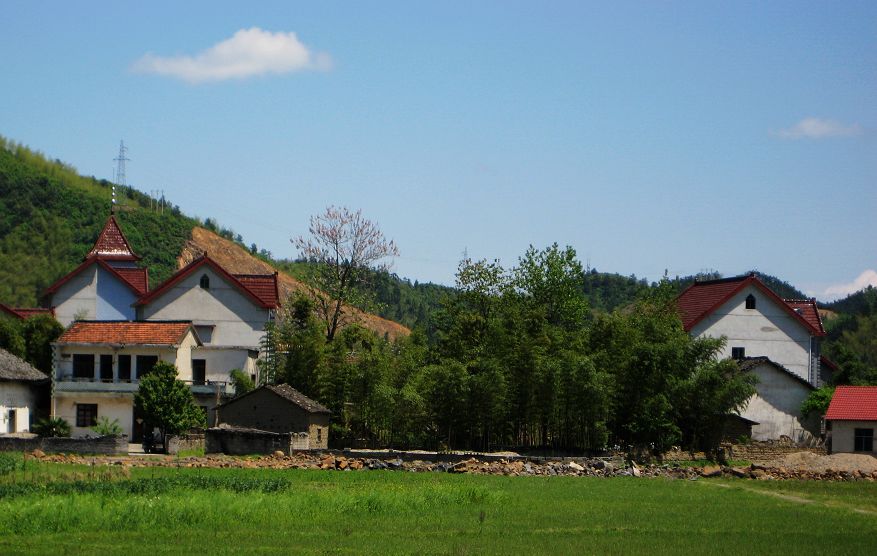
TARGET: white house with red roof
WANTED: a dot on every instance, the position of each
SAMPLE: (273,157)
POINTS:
(852,418)
(777,339)
(98,365)
(203,319)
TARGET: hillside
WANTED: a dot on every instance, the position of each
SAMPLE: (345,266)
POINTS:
(238,260)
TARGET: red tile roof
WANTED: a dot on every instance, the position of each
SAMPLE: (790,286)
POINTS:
(112,244)
(853,403)
(135,278)
(807,309)
(24,312)
(263,286)
(260,294)
(700,299)
(166,333)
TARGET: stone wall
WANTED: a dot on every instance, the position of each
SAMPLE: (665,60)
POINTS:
(102,445)
(240,441)
(768,451)
(185,442)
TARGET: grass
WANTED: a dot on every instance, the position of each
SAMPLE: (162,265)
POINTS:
(170,510)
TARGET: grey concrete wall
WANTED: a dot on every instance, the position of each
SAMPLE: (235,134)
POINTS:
(104,445)
(244,442)
(185,442)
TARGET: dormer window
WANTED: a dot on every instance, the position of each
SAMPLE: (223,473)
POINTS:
(205,282)
(750,301)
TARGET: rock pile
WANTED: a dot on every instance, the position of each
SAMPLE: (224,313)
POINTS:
(581,467)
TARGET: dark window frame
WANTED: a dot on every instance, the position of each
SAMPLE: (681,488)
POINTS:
(738,353)
(199,375)
(106,372)
(86,414)
(153,358)
(863,440)
(204,282)
(125,367)
(81,365)
(750,301)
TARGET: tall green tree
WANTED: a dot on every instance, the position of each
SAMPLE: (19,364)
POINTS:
(166,403)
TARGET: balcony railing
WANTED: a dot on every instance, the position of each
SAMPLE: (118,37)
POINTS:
(74,383)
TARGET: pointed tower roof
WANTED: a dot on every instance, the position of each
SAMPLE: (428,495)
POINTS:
(112,244)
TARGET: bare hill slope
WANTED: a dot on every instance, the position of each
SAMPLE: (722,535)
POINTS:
(238,261)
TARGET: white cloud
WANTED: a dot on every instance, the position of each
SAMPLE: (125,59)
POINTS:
(818,128)
(865,279)
(248,53)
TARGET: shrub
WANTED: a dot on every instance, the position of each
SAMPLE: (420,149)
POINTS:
(53,426)
(105,427)
(241,381)
(8,463)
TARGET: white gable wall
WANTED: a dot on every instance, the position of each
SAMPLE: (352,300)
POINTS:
(77,297)
(20,397)
(238,321)
(768,330)
(777,406)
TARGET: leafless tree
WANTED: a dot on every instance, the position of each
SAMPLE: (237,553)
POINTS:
(345,246)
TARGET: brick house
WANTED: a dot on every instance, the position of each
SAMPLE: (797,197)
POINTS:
(279,408)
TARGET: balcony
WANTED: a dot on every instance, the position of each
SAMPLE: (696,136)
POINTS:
(69,383)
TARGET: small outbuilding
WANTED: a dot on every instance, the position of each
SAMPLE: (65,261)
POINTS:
(22,388)
(851,419)
(279,408)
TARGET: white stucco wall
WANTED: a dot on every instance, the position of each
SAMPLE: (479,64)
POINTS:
(180,357)
(111,405)
(768,330)
(843,433)
(93,294)
(776,406)
(238,321)
(77,297)
(220,361)
(20,397)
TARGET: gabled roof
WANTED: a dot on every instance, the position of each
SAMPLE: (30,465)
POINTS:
(137,279)
(289,394)
(263,286)
(17,369)
(701,298)
(750,363)
(24,312)
(112,244)
(853,403)
(154,333)
(259,295)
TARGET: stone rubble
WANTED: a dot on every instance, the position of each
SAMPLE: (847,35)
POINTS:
(581,467)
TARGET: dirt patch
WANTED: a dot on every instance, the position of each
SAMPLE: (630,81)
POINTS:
(807,461)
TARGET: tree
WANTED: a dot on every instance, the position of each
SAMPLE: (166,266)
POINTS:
(39,332)
(344,245)
(167,403)
(817,401)
(241,381)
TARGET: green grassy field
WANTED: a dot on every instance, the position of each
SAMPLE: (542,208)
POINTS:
(52,509)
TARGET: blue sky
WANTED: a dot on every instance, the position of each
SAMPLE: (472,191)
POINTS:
(649,136)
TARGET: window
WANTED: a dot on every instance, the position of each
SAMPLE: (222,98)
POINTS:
(205,332)
(750,301)
(106,368)
(86,414)
(125,368)
(83,366)
(145,363)
(319,434)
(863,440)
(738,353)
(205,282)
(199,371)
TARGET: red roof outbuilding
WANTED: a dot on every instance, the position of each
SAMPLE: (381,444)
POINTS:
(157,333)
(24,312)
(853,403)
